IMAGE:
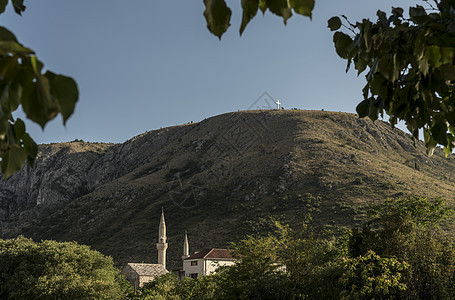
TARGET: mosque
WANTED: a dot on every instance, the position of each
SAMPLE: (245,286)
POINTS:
(201,263)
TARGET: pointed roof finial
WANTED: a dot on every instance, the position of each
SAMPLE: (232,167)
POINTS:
(162,245)
(186,246)
(162,228)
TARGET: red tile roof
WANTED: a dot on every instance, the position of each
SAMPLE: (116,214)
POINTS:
(212,254)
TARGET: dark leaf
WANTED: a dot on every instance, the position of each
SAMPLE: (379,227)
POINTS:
(12,160)
(64,90)
(417,11)
(418,14)
(19,6)
(374,109)
(302,7)
(430,143)
(37,102)
(263,6)
(9,66)
(423,66)
(342,42)
(378,85)
(6,35)
(398,11)
(367,34)
(360,65)
(8,47)
(14,95)
(448,71)
(18,147)
(19,128)
(372,69)
(401,108)
(3,4)
(447,54)
(363,108)
(353,46)
(31,148)
(451,119)
(334,23)
(218,16)
(419,46)
(280,8)
(382,18)
(433,55)
(250,8)
(348,66)
(366,90)
(438,131)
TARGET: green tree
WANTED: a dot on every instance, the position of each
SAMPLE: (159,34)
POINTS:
(372,277)
(410,230)
(409,65)
(286,264)
(52,270)
(169,286)
(258,274)
(400,253)
(42,96)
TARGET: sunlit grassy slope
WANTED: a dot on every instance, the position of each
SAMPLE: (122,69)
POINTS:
(222,178)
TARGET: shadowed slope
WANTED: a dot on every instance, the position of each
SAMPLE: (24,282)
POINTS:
(222,178)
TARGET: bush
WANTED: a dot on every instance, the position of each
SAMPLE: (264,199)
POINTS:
(53,270)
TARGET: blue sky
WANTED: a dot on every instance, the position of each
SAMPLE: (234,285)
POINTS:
(141,65)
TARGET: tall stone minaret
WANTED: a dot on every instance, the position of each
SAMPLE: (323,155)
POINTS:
(186,247)
(162,245)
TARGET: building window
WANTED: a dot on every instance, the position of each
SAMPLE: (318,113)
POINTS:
(193,275)
(194,263)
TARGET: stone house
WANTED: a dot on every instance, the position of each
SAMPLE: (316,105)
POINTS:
(139,273)
(202,263)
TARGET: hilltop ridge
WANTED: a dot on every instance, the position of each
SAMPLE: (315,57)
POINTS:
(219,179)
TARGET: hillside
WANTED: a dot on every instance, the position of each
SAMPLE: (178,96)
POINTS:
(219,179)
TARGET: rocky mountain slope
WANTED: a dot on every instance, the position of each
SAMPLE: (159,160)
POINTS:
(219,179)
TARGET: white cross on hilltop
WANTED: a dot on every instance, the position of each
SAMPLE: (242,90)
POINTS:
(277,102)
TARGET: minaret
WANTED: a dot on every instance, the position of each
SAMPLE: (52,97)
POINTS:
(162,245)
(186,247)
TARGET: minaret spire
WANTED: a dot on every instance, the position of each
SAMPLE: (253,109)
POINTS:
(162,245)
(186,247)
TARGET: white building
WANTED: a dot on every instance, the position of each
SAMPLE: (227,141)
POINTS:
(199,264)
(205,262)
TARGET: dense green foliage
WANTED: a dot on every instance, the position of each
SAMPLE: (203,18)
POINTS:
(410,68)
(170,287)
(372,276)
(409,230)
(22,83)
(218,14)
(52,270)
(399,253)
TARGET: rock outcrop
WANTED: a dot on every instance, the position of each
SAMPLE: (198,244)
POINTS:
(60,173)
